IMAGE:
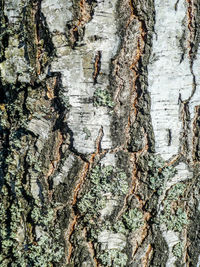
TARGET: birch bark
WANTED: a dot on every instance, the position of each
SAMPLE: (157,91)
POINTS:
(99,133)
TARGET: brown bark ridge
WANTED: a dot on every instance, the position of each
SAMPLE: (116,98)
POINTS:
(99,133)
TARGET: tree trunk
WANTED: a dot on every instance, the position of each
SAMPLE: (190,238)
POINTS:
(100,120)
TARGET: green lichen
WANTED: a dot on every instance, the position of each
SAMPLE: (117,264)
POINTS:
(129,222)
(41,216)
(20,213)
(176,221)
(3,117)
(174,215)
(103,98)
(157,171)
(103,180)
(64,99)
(47,250)
(133,219)
(87,133)
(113,257)
(177,250)
(119,227)
(113,182)
(176,191)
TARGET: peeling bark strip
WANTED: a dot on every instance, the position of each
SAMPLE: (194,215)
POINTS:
(99,133)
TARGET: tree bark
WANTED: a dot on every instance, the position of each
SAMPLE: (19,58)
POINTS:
(99,128)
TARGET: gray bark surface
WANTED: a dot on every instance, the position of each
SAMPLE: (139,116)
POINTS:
(99,133)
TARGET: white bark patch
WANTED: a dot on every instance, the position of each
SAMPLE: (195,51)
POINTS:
(35,189)
(110,205)
(15,66)
(111,240)
(20,235)
(198,263)
(171,239)
(64,171)
(39,232)
(39,127)
(182,174)
(108,210)
(168,78)
(57,13)
(13,10)
(77,68)
(108,159)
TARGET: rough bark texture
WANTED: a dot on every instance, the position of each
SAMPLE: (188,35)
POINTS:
(100,120)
